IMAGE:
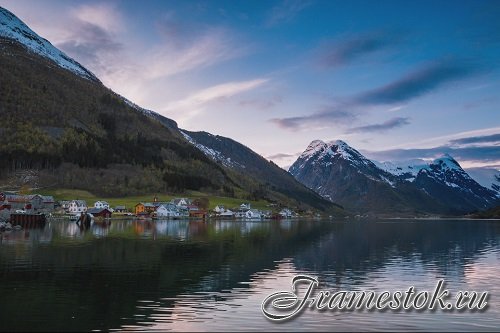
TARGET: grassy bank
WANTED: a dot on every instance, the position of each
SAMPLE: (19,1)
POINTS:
(131,201)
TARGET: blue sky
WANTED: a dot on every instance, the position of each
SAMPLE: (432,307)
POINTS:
(394,79)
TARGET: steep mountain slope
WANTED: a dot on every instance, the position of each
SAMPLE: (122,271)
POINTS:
(13,29)
(445,180)
(60,122)
(243,160)
(53,120)
(339,172)
(487,177)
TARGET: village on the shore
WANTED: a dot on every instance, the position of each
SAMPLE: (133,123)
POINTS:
(177,208)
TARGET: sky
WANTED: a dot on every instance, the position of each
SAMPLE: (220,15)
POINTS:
(396,80)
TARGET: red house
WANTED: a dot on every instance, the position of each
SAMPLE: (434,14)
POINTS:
(5,206)
(100,212)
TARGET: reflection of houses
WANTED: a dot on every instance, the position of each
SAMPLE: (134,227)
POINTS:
(101,204)
(32,202)
(77,206)
(100,212)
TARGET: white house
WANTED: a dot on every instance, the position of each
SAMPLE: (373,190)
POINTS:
(101,204)
(65,204)
(226,214)
(240,214)
(266,214)
(167,210)
(286,213)
(219,209)
(181,202)
(77,206)
(245,206)
(253,214)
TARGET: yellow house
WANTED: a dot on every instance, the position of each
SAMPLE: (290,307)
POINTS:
(142,207)
(139,208)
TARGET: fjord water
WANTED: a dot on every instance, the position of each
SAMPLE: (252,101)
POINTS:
(180,275)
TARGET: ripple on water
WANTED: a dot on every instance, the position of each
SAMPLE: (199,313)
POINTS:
(213,276)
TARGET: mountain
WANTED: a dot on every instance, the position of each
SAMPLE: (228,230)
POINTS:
(342,174)
(243,160)
(487,177)
(14,30)
(446,181)
(445,178)
(61,127)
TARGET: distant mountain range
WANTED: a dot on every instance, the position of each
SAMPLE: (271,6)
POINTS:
(341,174)
(62,123)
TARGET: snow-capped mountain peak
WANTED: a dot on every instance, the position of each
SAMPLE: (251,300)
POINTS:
(13,28)
(447,162)
(345,151)
(313,148)
(327,155)
(321,150)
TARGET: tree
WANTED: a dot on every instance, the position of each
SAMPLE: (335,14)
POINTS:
(202,203)
(25,189)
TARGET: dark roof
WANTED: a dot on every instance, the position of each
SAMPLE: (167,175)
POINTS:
(96,210)
(145,204)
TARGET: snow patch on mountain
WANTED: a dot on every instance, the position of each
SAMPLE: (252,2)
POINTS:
(147,112)
(407,170)
(212,153)
(438,168)
(13,28)
(487,177)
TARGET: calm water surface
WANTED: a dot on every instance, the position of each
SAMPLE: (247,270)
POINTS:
(180,275)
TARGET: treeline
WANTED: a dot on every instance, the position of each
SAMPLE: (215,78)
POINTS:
(26,146)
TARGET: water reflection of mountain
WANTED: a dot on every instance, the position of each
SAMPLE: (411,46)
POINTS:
(100,276)
(100,280)
(352,250)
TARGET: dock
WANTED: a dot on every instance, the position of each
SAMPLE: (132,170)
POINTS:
(27,220)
